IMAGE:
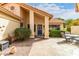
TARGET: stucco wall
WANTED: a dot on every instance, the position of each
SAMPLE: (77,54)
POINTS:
(39,20)
(9,23)
(12,25)
(16,9)
(2,15)
(25,16)
(61,27)
(3,25)
(75,29)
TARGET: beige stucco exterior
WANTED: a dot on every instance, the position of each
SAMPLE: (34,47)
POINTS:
(57,24)
(31,23)
(9,23)
(29,15)
(12,25)
(46,27)
(62,27)
(33,18)
(16,8)
(75,30)
(37,20)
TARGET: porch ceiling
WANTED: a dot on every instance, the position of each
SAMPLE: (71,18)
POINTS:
(38,15)
(35,14)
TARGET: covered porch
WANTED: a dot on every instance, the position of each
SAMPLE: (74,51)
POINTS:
(37,22)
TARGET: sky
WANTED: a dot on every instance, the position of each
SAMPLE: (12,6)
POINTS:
(59,10)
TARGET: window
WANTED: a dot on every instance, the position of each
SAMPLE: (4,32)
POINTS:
(39,27)
(21,24)
(34,27)
(28,26)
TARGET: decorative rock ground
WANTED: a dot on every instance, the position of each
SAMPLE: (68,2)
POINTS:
(10,50)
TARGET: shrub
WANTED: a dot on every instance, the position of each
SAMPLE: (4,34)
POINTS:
(55,33)
(22,33)
(69,29)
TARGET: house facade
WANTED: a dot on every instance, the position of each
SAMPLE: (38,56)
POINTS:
(34,19)
(56,24)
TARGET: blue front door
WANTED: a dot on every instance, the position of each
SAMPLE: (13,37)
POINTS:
(39,30)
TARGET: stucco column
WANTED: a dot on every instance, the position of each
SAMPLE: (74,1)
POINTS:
(61,27)
(31,20)
(46,27)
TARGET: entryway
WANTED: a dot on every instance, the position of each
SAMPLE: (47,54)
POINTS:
(39,30)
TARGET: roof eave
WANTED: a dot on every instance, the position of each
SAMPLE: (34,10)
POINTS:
(37,10)
(9,13)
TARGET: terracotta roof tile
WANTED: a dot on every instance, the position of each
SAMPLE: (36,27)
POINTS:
(56,22)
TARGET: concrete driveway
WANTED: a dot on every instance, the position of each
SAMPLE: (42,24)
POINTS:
(46,47)
(53,47)
(23,48)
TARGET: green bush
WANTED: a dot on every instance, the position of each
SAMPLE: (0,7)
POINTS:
(55,33)
(22,33)
(69,29)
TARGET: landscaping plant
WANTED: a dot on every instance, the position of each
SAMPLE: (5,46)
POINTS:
(55,33)
(22,33)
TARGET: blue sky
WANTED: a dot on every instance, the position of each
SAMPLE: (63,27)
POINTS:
(59,10)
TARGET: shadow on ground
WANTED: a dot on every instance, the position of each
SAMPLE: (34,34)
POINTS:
(76,44)
(28,42)
(39,39)
(64,42)
(24,47)
(69,42)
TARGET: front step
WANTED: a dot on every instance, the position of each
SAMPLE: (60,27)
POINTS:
(39,36)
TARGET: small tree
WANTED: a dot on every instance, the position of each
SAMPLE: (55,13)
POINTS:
(69,24)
